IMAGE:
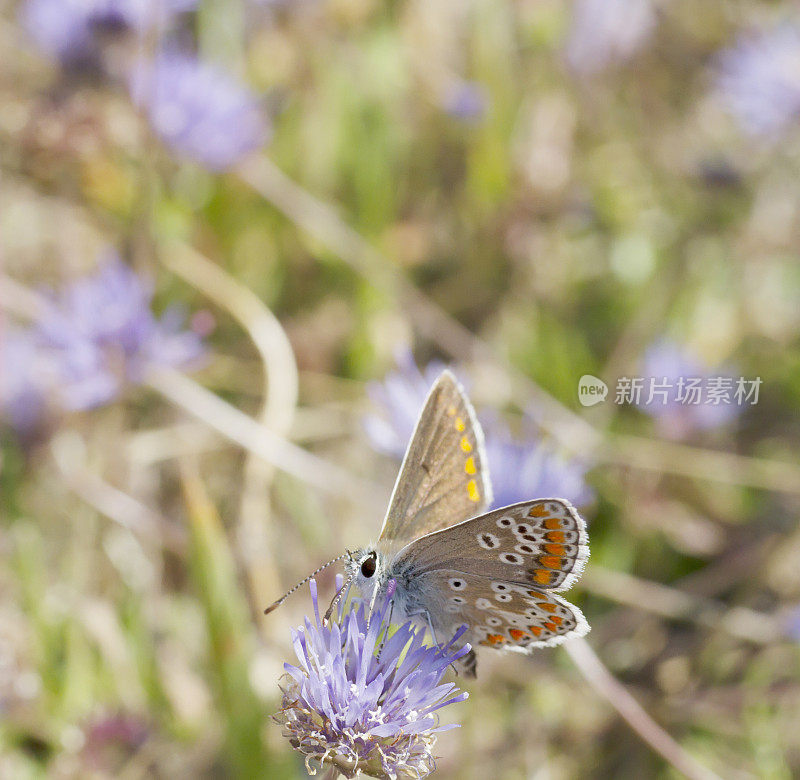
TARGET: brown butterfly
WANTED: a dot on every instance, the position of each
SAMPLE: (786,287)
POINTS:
(498,572)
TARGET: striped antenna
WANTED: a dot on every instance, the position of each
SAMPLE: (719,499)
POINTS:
(345,587)
(300,584)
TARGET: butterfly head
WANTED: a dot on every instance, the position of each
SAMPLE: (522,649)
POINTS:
(367,568)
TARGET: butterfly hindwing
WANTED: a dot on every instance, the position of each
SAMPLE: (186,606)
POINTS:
(503,615)
(540,544)
(443,479)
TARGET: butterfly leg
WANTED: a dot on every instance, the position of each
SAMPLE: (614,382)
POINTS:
(386,631)
(428,621)
(467,664)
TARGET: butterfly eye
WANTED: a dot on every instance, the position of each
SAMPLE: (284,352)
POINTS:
(368,565)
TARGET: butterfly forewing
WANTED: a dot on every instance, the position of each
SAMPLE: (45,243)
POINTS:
(540,544)
(503,615)
(443,479)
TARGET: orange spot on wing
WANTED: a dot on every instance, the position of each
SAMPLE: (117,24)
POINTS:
(465,445)
(472,491)
(460,424)
(469,466)
(556,619)
(554,549)
(552,523)
(555,536)
(537,511)
(496,639)
(551,561)
(550,626)
(516,634)
(542,576)
(546,607)
(536,630)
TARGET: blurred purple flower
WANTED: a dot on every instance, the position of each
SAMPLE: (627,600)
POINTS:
(22,383)
(100,334)
(111,740)
(466,100)
(68,29)
(759,80)
(198,110)
(675,419)
(525,468)
(363,702)
(399,398)
(607,31)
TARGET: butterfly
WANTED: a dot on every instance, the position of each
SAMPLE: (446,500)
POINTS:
(454,564)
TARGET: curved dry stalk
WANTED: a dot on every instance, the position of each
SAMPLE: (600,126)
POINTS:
(256,536)
(618,696)
(264,329)
(320,220)
(238,427)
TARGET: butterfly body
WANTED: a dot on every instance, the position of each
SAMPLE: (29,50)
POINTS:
(454,564)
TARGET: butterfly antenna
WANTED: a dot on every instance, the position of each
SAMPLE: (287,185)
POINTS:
(335,600)
(300,584)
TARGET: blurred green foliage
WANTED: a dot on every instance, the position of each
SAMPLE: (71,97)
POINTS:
(571,224)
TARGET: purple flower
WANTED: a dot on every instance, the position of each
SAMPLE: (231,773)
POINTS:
(68,29)
(399,399)
(758,79)
(607,31)
(526,467)
(100,335)
(112,739)
(364,701)
(22,381)
(680,387)
(198,110)
(466,100)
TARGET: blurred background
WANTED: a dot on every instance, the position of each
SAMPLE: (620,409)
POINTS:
(238,239)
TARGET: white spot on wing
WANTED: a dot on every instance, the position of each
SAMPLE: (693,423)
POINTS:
(488,541)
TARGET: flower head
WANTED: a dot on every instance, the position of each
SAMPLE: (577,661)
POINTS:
(399,398)
(608,31)
(682,410)
(100,334)
(198,110)
(526,467)
(759,80)
(68,29)
(363,700)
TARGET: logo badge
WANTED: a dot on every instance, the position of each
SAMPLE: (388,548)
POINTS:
(591,390)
